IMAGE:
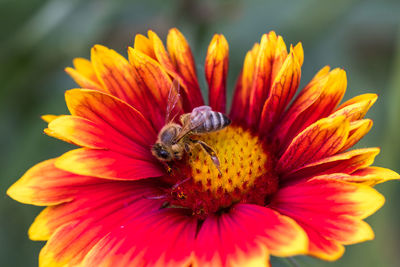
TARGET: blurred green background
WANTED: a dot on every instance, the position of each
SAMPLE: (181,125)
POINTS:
(40,37)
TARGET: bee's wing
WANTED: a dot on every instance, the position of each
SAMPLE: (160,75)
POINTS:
(173,98)
(200,109)
(189,125)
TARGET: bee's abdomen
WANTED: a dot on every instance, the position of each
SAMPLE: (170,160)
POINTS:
(214,121)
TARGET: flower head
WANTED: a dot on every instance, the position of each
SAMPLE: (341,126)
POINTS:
(288,182)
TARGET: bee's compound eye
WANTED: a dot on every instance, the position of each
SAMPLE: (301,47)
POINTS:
(160,152)
(163,154)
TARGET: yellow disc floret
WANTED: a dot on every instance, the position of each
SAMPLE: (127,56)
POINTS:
(246,176)
(242,160)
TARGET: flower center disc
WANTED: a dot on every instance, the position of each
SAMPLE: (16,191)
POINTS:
(247,173)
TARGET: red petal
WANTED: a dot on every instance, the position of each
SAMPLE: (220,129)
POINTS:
(246,235)
(116,75)
(162,238)
(83,81)
(304,100)
(298,51)
(177,44)
(93,200)
(321,139)
(373,175)
(183,61)
(232,239)
(84,74)
(144,45)
(98,211)
(358,129)
(108,164)
(282,90)
(323,248)
(317,100)
(77,130)
(49,117)
(356,108)
(160,52)
(216,69)
(329,210)
(272,53)
(112,115)
(44,184)
(347,162)
(85,67)
(240,104)
(86,133)
(155,83)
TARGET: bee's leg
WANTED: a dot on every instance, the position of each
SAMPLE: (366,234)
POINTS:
(187,148)
(210,152)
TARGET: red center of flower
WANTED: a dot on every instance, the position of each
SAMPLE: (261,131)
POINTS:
(247,174)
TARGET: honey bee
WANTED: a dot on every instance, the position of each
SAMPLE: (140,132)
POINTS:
(175,140)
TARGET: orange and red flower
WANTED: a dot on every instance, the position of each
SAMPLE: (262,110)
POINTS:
(288,185)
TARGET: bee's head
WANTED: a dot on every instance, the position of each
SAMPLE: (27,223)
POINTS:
(161,152)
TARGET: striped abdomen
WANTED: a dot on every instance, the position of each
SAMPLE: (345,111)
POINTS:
(207,120)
